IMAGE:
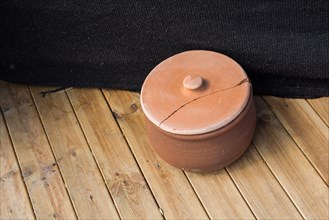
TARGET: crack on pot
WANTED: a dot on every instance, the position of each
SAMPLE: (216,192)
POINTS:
(200,97)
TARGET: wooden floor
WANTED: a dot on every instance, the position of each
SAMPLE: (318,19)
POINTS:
(83,153)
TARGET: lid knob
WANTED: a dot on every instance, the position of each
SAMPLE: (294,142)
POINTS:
(192,82)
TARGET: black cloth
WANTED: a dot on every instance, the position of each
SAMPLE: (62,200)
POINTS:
(282,45)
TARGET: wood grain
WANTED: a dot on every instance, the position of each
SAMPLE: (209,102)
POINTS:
(170,187)
(126,183)
(14,199)
(259,187)
(219,196)
(39,169)
(306,128)
(79,169)
(287,162)
(321,106)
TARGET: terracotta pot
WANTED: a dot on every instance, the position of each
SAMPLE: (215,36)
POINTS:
(200,114)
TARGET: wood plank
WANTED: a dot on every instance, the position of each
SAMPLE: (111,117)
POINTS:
(39,169)
(220,197)
(296,175)
(321,106)
(79,169)
(14,199)
(306,128)
(259,187)
(170,187)
(126,183)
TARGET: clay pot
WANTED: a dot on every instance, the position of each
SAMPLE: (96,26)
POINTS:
(200,114)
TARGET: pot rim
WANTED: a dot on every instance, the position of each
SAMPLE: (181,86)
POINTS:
(193,137)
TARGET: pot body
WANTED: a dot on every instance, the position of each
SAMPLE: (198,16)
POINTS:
(206,152)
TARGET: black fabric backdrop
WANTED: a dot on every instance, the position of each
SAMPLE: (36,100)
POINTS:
(282,45)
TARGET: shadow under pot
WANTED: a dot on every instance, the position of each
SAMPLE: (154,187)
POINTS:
(199,109)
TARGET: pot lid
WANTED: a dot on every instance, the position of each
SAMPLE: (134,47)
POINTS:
(195,92)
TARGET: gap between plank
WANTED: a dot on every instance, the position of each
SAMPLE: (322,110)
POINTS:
(124,137)
(52,151)
(189,181)
(93,155)
(317,112)
(284,190)
(236,186)
(291,137)
(19,165)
